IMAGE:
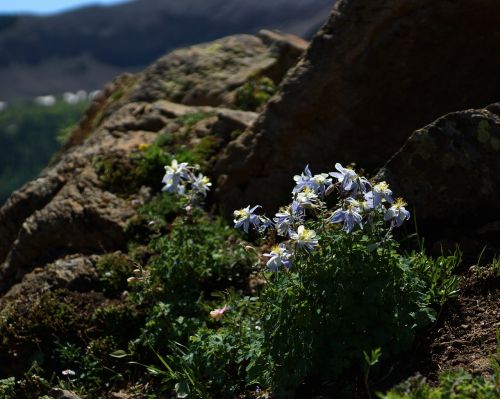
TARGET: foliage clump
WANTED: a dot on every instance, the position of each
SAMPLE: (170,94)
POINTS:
(200,255)
(255,93)
(455,384)
(114,270)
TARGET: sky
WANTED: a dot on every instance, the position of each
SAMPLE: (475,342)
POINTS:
(46,6)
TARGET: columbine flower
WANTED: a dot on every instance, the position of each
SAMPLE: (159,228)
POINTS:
(246,217)
(297,211)
(173,175)
(322,183)
(317,183)
(283,220)
(279,257)
(350,181)
(350,216)
(201,185)
(307,198)
(397,213)
(265,223)
(304,238)
(379,193)
(217,314)
(68,372)
(303,180)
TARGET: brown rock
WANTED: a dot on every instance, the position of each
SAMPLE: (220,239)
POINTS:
(207,74)
(376,71)
(74,272)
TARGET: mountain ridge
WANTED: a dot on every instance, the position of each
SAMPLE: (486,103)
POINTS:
(84,48)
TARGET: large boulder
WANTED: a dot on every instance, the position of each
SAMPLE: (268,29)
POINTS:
(70,209)
(449,172)
(208,74)
(376,71)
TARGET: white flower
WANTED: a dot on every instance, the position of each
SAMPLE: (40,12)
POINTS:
(173,175)
(306,198)
(380,192)
(201,184)
(397,213)
(279,256)
(246,217)
(304,238)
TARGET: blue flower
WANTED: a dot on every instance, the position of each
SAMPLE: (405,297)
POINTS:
(246,217)
(297,210)
(397,213)
(265,223)
(201,184)
(173,175)
(317,183)
(380,192)
(283,220)
(349,180)
(303,180)
(350,216)
(304,238)
(279,256)
(322,183)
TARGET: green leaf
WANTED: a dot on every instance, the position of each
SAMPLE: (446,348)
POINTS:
(119,354)
(182,389)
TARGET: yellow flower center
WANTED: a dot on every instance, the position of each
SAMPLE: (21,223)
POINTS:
(241,213)
(306,234)
(276,249)
(399,203)
(381,187)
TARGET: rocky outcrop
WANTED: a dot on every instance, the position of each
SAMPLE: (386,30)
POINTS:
(74,272)
(209,74)
(377,71)
(70,209)
(449,171)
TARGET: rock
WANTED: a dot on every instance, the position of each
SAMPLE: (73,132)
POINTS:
(74,272)
(376,71)
(69,210)
(58,393)
(207,74)
(449,171)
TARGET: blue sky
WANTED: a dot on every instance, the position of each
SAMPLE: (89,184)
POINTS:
(46,6)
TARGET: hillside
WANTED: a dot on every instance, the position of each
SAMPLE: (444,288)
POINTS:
(28,139)
(84,48)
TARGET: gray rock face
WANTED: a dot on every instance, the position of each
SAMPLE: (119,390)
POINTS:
(377,71)
(449,171)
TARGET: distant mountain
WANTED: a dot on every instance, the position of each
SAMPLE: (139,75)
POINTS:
(84,48)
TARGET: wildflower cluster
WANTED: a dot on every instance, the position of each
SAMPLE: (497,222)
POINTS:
(360,202)
(183,179)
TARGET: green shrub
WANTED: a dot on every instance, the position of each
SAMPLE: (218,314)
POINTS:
(200,255)
(337,302)
(113,270)
(126,175)
(222,362)
(255,93)
(7,388)
(457,384)
(339,292)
